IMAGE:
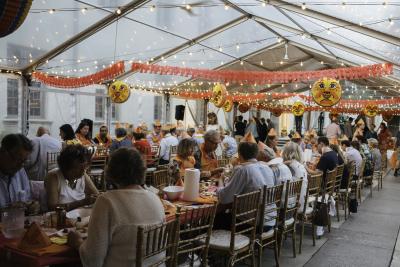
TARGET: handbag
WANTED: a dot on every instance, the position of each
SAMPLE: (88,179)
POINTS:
(320,214)
(353,204)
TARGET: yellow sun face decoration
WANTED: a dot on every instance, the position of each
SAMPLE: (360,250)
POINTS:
(371,110)
(298,108)
(228,105)
(119,92)
(219,95)
(326,92)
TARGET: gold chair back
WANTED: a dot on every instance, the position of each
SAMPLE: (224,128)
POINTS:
(160,179)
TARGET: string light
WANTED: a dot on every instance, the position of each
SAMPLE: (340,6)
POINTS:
(303,6)
(226,6)
(152,8)
(118,11)
(188,7)
(51,11)
(83,10)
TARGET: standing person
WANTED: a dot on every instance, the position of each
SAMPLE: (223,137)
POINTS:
(36,165)
(83,133)
(116,215)
(169,140)
(348,128)
(103,138)
(121,140)
(252,128)
(14,183)
(240,128)
(333,130)
(154,138)
(270,125)
(383,137)
(68,136)
(263,130)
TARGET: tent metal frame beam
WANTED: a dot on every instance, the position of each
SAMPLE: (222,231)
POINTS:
(325,41)
(94,28)
(192,42)
(336,21)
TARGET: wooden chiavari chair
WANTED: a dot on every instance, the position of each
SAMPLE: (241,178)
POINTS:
(329,190)
(369,179)
(357,185)
(338,182)
(344,193)
(195,232)
(378,175)
(269,213)
(96,171)
(160,179)
(173,150)
(223,162)
(238,243)
(155,240)
(51,160)
(288,216)
(310,201)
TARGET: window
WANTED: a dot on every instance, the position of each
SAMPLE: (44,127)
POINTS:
(12,97)
(36,100)
(99,105)
(157,107)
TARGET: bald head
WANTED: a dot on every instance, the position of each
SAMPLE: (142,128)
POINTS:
(41,131)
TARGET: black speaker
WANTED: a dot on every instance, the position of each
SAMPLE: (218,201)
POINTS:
(179,112)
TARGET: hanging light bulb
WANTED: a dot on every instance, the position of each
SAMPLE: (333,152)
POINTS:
(286,56)
(303,6)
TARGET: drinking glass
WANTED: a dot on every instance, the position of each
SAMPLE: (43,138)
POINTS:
(12,222)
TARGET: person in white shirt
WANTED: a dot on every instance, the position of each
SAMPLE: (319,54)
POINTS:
(352,155)
(333,131)
(36,166)
(292,156)
(169,140)
(116,215)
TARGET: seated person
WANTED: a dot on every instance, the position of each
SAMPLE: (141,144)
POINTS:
(69,185)
(376,154)
(250,175)
(117,213)
(206,159)
(121,140)
(143,146)
(68,136)
(229,144)
(281,172)
(352,155)
(183,160)
(103,138)
(83,133)
(14,183)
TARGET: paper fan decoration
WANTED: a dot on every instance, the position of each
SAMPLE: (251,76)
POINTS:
(298,108)
(326,92)
(387,117)
(219,95)
(119,92)
(12,14)
(243,108)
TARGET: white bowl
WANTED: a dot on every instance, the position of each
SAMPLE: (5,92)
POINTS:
(81,212)
(173,192)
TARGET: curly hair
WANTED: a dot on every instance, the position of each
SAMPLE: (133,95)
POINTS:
(71,154)
(185,147)
(126,167)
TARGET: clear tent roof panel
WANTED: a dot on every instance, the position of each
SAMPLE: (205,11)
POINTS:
(265,11)
(188,23)
(348,37)
(123,40)
(242,39)
(48,24)
(375,17)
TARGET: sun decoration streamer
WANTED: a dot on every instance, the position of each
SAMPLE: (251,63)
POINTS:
(298,108)
(12,14)
(267,77)
(74,82)
(371,110)
(219,94)
(326,92)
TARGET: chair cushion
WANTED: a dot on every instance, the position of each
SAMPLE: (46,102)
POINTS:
(289,221)
(96,171)
(309,210)
(344,190)
(268,234)
(220,239)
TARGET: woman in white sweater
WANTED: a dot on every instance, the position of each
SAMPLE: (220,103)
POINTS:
(293,157)
(117,214)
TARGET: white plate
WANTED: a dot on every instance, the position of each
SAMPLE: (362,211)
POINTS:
(81,212)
